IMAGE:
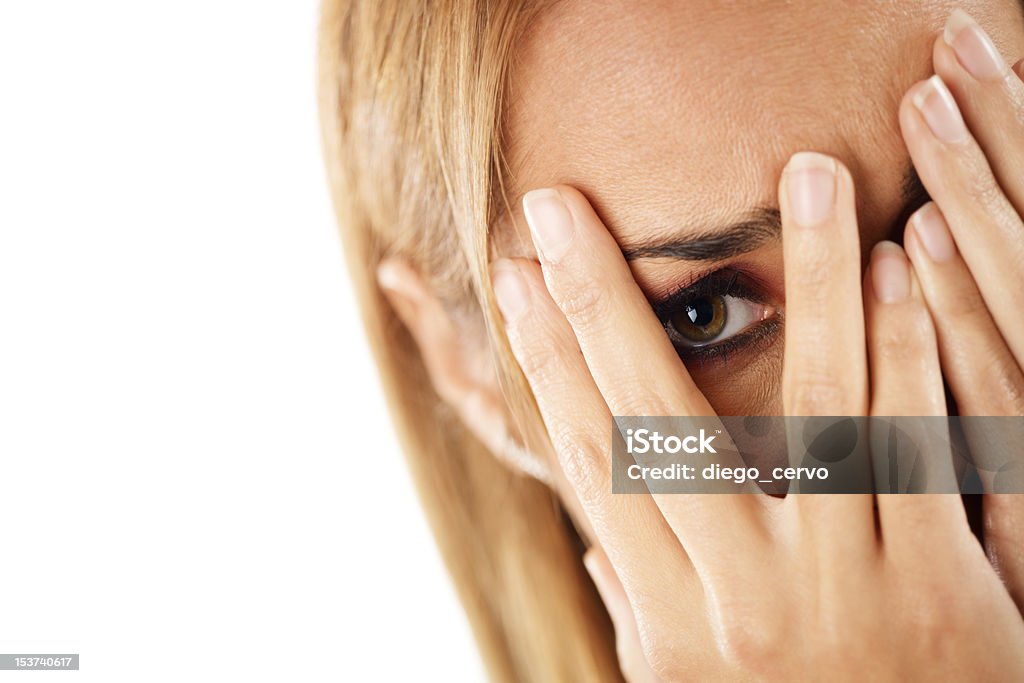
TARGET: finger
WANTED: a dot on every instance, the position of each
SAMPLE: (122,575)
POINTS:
(906,381)
(985,226)
(656,573)
(825,367)
(983,376)
(903,354)
(592,285)
(982,373)
(825,371)
(577,420)
(990,95)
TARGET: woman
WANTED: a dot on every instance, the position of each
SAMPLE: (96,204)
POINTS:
(708,192)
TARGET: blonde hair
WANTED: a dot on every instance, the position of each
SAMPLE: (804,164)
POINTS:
(411,97)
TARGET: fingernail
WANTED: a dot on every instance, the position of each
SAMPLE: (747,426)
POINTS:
(550,222)
(890,273)
(811,187)
(932,232)
(510,291)
(974,49)
(939,110)
(1018,69)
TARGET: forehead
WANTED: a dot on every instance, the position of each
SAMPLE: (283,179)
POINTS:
(690,109)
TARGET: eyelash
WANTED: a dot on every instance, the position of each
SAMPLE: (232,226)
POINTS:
(723,282)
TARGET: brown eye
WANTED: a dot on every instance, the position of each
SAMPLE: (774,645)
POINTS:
(701,320)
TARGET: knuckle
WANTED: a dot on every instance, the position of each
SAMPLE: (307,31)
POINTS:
(817,396)
(962,300)
(580,463)
(538,362)
(661,652)
(638,401)
(994,368)
(584,304)
(980,185)
(1010,385)
(753,648)
(813,268)
(907,340)
(666,669)
(933,623)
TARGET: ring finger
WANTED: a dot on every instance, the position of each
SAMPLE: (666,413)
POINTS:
(981,371)
(986,227)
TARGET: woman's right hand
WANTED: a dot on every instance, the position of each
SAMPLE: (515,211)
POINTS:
(734,586)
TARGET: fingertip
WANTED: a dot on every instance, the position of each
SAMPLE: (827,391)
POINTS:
(579,206)
(945,62)
(890,273)
(930,233)
(911,242)
(916,132)
(805,160)
(810,189)
(511,292)
(906,109)
(887,249)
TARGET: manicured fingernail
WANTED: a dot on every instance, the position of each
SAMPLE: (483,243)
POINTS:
(550,222)
(510,291)
(890,273)
(975,50)
(932,232)
(939,110)
(811,187)
(1018,69)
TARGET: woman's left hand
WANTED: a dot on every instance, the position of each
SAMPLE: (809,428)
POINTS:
(964,129)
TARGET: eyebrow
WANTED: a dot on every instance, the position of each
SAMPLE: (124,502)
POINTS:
(759,226)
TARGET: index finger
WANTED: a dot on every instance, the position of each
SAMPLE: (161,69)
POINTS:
(591,283)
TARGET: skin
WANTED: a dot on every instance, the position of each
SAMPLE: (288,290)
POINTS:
(868,329)
(687,141)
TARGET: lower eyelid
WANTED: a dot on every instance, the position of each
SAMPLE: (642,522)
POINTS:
(757,336)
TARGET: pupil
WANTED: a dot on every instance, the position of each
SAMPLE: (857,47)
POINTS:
(701,313)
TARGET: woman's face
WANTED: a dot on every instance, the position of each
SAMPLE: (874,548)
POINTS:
(676,118)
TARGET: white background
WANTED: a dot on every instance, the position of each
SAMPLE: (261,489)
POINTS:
(198,480)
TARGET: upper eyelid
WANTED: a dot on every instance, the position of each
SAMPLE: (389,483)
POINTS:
(669,303)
